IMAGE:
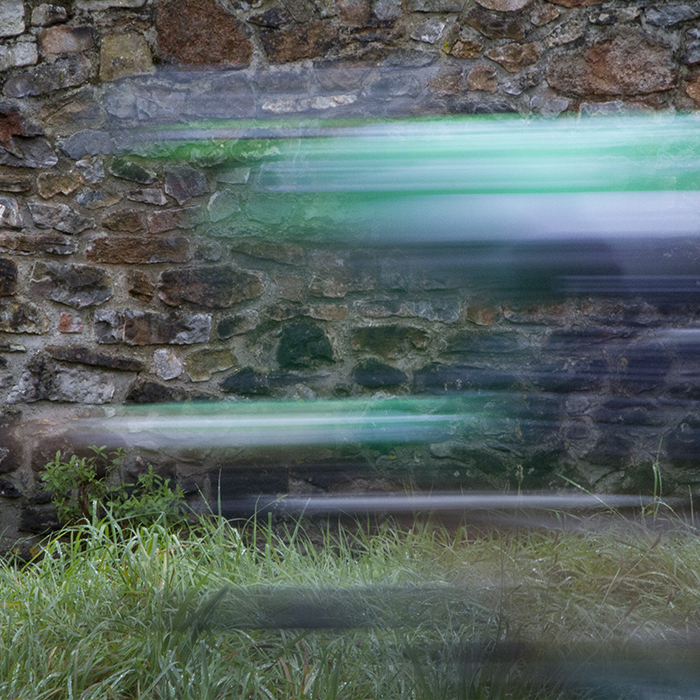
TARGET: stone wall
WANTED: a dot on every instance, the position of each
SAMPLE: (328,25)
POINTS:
(126,279)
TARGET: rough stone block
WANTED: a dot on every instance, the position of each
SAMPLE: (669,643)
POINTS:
(64,73)
(10,215)
(11,17)
(122,249)
(238,324)
(50,184)
(514,57)
(77,286)
(23,53)
(29,153)
(389,341)
(296,43)
(88,356)
(60,40)
(167,364)
(374,374)
(59,216)
(303,344)
(496,25)
(201,33)
(123,55)
(53,243)
(170,219)
(213,287)
(8,277)
(150,328)
(45,15)
(200,365)
(128,169)
(124,220)
(88,142)
(246,382)
(183,182)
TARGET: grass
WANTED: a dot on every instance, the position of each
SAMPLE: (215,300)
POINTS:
(111,611)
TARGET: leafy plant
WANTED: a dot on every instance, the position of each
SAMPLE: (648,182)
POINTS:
(81,487)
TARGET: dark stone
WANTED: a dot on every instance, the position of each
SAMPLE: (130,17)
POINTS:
(66,72)
(8,277)
(566,376)
(682,445)
(11,445)
(213,287)
(628,411)
(139,249)
(480,343)
(54,243)
(170,219)
(613,448)
(668,15)
(127,169)
(645,368)
(124,220)
(8,489)
(374,374)
(202,34)
(183,182)
(241,323)
(296,43)
(497,25)
(281,253)
(87,143)
(140,286)
(436,378)
(142,391)
(389,341)
(22,317)
(59,216)
(585,342)
(73,285)
(540,467)
(14,181)
(150,328)
(302,344)
(87,356)
(274,18)
(246,382)
(691,56)
(236,480)
(28,153)
(38,520)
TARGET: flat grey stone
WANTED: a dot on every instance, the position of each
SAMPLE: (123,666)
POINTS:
(59,216)
(668,15)
(87,143)
(77,286)
(64,73)
(11,17)
(29,153)
(46,15)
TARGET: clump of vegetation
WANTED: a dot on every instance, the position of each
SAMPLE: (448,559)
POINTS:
(84,487)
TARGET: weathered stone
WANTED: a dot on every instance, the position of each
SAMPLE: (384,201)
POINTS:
(544,14)
(45,15)
(140,286)
(387,10)
(613,15)
(268,209)
(287,254)
(183,182)
(10,215)
(23,53)
(629,64)
(29,153)
(70,324)
(504,5)
(148,196)
(691,56)
(223,204)
(92,169)
(8,277)
(448,81)
(59,216)
(149,328)
(123,55)
(167,364)
(87,143)
(302,344)
(22,317)
(444,310)
(50,184)
(549,106)
(124,220)
(274,18)
(297,43)
(246,382)
(436,378)
(213,287)
(233,176)
(514,57)
(482,77)
(429,32)
(375,375)
(145,392)
(644,368)
(355,13)
(482,343)
(7,488)
(97,199)
(464,48)
(604,109)
(668,15)
(238,324)
(42,382)
(566,32)
(389,341)
(73,285)
(13,181)
(11,17)
(87,356)
(54,243)
(200,365)
(59,40)
(692,86)
(169,219)
(201,33)
(64,73)
(482,315)
(496,25)
(321,312)
(575,3)
(127,169)
(139,249)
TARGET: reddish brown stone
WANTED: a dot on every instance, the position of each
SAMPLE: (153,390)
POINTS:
(54,243)
(355,13)
(140,287)
(290,288)
(482,78)
(57,40)
(116,250)
(544,14)
(148,328)
(124,220)
(308,41)
(201,33)
(692,87)
(496,25)
(483,315)
(213,287)
(448,81)
(514,57)
(70,324)
(185,218)
(629,64)
(466,49)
